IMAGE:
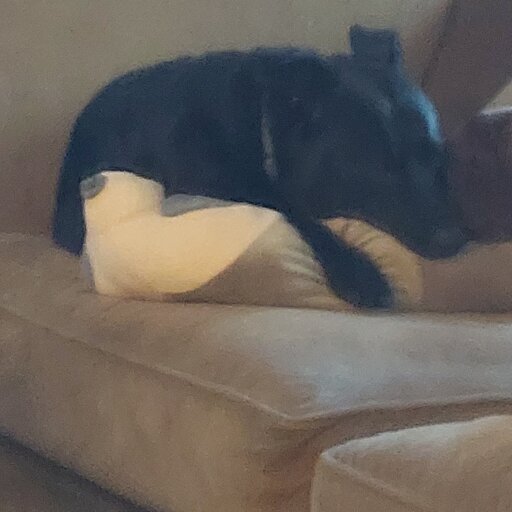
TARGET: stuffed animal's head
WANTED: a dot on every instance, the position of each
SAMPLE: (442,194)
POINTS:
(113,198)
(355,137)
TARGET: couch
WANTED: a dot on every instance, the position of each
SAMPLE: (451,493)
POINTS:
(200,407)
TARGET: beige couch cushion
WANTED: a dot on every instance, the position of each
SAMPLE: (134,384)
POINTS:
(457,467)
(206,408)
(479,281)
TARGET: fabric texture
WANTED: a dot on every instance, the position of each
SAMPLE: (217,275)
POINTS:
(30,483)
(207,408)
(472,62)
(478,281)
(457,467)
(482,175)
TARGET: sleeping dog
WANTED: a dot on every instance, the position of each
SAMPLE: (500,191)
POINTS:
(311,136)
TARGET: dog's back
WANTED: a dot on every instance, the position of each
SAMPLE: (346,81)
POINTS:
(192,124)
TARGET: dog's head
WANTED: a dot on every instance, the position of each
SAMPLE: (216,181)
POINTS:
(355,137)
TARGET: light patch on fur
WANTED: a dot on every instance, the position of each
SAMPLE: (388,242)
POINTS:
(429,113)
(432,124)
(269,161)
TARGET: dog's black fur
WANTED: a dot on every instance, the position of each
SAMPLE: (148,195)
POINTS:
(351,136)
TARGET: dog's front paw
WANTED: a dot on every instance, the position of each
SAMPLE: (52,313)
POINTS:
(364,286)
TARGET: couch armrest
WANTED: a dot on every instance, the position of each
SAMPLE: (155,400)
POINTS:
(473,61)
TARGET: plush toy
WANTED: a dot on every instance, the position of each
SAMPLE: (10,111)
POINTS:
(187,248)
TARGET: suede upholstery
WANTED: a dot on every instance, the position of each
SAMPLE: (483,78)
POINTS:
(457,467)
(482,175)
(157,401)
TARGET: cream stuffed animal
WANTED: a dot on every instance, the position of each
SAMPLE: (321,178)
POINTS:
(187,248)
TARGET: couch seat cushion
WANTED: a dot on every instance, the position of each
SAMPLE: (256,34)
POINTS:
(454,467)
(203,408)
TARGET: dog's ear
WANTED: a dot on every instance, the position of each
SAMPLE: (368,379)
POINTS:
(376,48)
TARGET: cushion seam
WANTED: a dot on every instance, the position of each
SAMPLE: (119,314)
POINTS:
(377,485)
(286,419)
(176,374)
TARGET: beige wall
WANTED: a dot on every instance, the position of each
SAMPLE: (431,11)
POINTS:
(55,53)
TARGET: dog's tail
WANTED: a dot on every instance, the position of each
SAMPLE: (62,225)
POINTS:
(68,228)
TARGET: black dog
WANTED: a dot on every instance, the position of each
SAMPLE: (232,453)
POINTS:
(311,136)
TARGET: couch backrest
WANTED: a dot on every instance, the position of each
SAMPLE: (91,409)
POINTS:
(55,54)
